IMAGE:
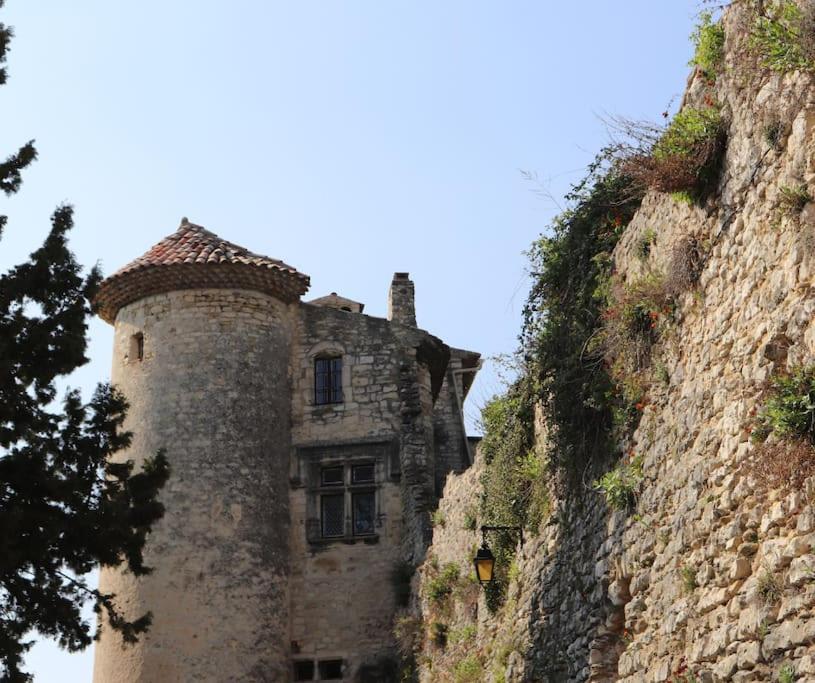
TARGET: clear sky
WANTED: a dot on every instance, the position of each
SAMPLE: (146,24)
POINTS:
(349,138)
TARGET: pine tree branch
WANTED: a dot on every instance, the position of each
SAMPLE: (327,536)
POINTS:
(11,169)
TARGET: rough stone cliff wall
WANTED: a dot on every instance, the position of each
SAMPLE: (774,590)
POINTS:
(672,591)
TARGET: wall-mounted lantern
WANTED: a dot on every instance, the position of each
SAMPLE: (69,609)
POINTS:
(484,560)
(484,564)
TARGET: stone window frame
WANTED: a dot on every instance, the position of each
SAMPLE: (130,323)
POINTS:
(317,665)
(326,349)
(311,460)
(135,347)
(330,392)
(348,490)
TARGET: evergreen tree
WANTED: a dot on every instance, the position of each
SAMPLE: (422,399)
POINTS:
(64,508)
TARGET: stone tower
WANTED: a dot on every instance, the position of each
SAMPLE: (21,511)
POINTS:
(308,443)
(203,330)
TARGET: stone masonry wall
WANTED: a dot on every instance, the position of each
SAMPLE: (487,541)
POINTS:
(213,390)
(343,596)
(673,590)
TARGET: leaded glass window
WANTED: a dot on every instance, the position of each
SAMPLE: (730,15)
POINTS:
(328,380)
(364,513)
(332,513)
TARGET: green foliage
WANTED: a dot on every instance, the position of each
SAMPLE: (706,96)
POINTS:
(708,39)
(437,519)
(781,37)
(690,128)
(683,197)
(786,674)
(468,670)
(470,519)
(619,485)
(683,159)
(440,586)
(769,588)
(563,314)
(637,315)
(465,634)
(514,571)
(645,243)
(514,482)
(65,508)
(793,199)
(789,408)
(688,575)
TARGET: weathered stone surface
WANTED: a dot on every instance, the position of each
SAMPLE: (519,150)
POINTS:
(245,581)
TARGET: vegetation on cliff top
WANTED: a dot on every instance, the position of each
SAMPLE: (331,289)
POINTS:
(783,35)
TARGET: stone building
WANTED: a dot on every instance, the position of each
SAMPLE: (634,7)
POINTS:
(308,444)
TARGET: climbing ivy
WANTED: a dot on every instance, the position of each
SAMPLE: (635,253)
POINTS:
(563,315)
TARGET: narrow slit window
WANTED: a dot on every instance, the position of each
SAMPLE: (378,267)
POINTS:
(136,350)
(328,380)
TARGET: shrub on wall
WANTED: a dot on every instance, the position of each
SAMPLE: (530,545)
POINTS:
(792,199)
(708,40)
(784,431)
(514,483)
(441,586)
(685,265)
(564,313)
(783,35)
(619,485)
(686,157)
(468,670)
(638,314)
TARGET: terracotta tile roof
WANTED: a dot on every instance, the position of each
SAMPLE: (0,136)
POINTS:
(193,258)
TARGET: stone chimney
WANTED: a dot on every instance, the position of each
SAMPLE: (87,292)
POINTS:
(402,300)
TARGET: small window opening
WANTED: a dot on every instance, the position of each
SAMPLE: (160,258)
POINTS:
(332,476)
(362,474)
(304,671)
(330,670)
(328,380)
(136,350)
(346,308)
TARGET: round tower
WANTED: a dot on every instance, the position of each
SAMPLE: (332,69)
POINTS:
(203,330)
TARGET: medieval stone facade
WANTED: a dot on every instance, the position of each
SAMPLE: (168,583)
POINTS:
(308,444)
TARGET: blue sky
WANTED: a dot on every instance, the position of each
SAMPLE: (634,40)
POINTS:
(351,139)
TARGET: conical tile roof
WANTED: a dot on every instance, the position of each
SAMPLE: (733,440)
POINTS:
(195,258)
